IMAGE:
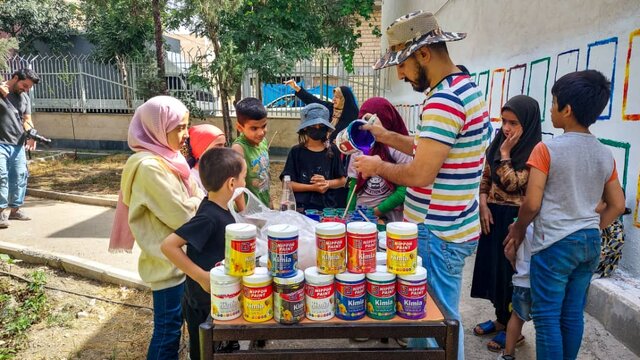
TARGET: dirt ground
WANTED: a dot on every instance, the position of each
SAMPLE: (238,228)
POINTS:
(100,176)
(78,327)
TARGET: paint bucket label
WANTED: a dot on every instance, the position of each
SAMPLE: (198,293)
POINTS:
(411,299)
(361,251)
(225,306)
(331,253)
(352,139)
(402,254)
(381,299)
(288,303)
(283,256)
(257,303)
(350,300)
(319,301)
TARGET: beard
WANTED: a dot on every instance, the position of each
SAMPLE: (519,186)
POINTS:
(421,84)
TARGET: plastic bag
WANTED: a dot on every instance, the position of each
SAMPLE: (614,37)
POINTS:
(262,217)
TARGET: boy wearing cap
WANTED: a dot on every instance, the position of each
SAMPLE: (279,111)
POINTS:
(444,176)
(314,164)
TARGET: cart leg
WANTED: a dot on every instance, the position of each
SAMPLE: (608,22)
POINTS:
(206,340)
(451,341)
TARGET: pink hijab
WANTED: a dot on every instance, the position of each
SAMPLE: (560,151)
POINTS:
(148,132)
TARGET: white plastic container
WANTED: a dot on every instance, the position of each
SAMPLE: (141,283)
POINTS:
(225,295)
(381,258)
(319,295)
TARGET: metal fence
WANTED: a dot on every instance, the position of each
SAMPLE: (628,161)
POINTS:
(81,83)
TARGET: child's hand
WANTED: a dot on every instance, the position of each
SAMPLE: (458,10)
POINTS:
(204,282)
(322,187)
(317,179)
(510,142)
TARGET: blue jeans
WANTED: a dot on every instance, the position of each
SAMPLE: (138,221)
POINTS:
(13,176)
(167,323)
(560,277)
(444,262)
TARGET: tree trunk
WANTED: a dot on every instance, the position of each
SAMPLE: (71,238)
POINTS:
(224,93)
(157,21)
(126,90)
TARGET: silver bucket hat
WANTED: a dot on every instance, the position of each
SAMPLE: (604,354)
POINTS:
(411,32)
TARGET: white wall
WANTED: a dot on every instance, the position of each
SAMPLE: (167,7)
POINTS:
(503,35)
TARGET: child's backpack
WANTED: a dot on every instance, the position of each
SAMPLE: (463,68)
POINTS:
(611,250)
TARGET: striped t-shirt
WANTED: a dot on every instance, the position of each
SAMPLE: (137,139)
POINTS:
(454,114)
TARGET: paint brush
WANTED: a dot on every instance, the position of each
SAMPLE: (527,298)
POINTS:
(348,204)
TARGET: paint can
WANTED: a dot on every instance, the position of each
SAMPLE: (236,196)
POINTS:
(362,241)
(353,139)
(288,298)
(319,295)
(350,296)
(381,294)
(257,300)
(283,250)
(225,294)
(411,294)
(331,247)
(402,248)
(240,249)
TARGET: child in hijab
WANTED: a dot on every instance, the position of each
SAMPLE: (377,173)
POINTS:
(502,189)
(384,197)
(159,191)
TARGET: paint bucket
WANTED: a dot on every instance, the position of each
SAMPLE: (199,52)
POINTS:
(331,247)
(257,296)
(350,296)
(283,250)
(240,249)
(381,294)
(411,295)
(319,295)
(362,238)
(225,295)
(402,248)
(353,139)
(288,299)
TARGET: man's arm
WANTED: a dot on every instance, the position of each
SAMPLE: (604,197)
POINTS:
(421,171)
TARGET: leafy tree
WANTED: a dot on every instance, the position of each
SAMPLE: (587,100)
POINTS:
(270,37)
(6,45)
(30,20)
(120,30)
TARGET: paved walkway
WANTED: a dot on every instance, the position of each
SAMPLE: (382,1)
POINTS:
(81,233)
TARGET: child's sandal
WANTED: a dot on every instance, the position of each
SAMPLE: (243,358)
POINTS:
(499,341)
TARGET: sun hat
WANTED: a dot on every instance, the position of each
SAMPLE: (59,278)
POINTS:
(314,114)
(410,32)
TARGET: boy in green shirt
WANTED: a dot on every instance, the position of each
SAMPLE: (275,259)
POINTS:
(252,145)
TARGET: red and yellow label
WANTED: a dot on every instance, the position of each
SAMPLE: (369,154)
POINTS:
(257,303)
(402,254)
(331,254)
(361,250)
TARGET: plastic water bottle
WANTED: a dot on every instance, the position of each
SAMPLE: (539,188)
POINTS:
(288,199)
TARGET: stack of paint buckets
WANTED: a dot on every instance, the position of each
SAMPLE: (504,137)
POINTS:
(351,279)
(362,285)
(259,293)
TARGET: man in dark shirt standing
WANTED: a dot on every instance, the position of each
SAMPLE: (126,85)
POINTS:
(15,121)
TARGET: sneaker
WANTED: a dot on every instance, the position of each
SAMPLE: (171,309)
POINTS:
(506,357)
(18,214)
(4,218)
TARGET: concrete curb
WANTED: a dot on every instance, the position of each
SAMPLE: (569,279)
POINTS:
(80,199)
(75,265)
(618,310)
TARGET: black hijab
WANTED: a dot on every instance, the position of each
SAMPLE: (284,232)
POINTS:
(349,111)
(528,113)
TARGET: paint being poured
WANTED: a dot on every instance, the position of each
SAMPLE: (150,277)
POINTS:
(362,139)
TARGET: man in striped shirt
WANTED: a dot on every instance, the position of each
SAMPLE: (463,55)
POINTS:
(444,177)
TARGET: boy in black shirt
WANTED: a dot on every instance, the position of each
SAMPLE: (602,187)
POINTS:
(222,170)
